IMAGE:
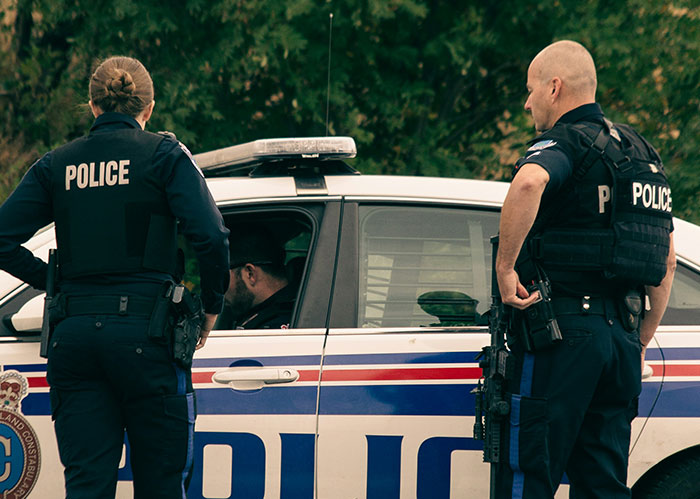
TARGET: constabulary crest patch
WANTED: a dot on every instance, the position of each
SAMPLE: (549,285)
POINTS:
(20,457)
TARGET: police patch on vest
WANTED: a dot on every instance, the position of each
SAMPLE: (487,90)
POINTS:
(20,457)
(543,144)
(107,173)
(651,196)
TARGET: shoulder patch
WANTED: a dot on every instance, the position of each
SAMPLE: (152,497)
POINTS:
(543,144)
(189,155)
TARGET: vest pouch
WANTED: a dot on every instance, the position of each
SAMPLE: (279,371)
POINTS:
(160,248)
(634,252)
(640,252)
(576,250)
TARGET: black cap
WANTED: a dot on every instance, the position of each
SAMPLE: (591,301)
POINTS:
(250,244)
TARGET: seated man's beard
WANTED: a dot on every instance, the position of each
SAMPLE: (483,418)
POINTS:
(242,300)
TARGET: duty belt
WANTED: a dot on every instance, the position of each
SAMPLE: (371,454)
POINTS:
(109,305)
(583,305)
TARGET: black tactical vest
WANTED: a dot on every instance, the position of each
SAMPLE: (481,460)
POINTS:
(110,207)
(614,214)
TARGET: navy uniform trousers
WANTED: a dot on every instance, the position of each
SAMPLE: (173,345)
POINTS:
(106,377)
(571,412)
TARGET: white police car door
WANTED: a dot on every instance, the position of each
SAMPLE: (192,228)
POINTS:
(395,409)
(257,389)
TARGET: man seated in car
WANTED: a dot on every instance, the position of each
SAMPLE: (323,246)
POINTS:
(258,295)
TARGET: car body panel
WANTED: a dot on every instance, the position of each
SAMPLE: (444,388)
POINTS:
(375,412)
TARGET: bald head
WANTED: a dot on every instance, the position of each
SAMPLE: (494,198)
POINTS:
(572,63)
(560,78)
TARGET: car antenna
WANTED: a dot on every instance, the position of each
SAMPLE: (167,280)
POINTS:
(328,93)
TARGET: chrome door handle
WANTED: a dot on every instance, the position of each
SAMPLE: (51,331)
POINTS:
(252,378)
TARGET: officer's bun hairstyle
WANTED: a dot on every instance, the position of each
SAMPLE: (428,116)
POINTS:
(121,84)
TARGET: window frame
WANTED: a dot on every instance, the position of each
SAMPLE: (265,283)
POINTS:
(345,305)
(315,283)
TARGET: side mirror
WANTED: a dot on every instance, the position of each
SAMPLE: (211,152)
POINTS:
(28,319)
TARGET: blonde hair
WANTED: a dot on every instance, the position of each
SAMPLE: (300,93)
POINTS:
(121,84)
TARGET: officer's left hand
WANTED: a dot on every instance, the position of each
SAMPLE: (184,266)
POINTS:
(204,334)
(207,326)
(513,293)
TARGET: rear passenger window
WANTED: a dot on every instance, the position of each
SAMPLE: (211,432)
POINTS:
(684,302)
(424,266)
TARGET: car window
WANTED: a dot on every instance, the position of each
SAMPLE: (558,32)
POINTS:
(684,302)
(424,266)
(290,230)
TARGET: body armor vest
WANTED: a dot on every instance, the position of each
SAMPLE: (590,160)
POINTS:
(614,214)
(110,207)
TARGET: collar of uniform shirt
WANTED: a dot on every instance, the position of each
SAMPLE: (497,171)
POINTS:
(587,110)
(114,120)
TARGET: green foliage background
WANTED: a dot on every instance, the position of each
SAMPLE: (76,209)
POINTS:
(426,87)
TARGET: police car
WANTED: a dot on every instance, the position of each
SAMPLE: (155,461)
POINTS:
(367,393)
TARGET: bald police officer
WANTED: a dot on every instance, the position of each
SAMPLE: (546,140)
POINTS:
(115,196)
(589,214)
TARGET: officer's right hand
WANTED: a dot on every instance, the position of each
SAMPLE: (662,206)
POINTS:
(513,293)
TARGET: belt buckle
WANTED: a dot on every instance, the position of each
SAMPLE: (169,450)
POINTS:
(123,302)
(586,304)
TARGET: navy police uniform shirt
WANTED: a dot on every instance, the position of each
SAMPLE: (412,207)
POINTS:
(273,313)
(29,208)
(555,157)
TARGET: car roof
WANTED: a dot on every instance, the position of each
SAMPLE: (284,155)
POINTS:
(481,192)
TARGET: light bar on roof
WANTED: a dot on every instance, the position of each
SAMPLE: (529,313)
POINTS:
(274,149)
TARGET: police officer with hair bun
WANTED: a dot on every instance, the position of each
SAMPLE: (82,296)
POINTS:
(585,264)
(116,197)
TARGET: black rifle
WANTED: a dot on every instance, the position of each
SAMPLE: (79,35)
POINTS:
(492,404)
(51,274)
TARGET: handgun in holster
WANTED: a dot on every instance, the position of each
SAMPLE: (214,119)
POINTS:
(188,325)
(163,315)
(50,301)
(542,329)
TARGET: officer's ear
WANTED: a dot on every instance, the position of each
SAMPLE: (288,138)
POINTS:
(555,87)
(146,113)
(249,274)
(96,111)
